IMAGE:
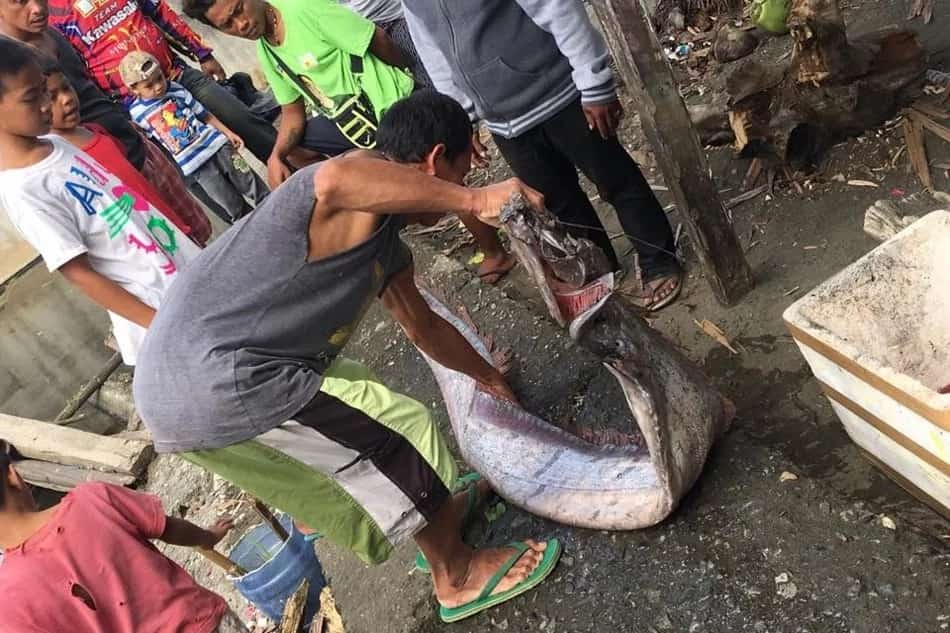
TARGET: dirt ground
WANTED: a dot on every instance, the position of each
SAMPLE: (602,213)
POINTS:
(745,551)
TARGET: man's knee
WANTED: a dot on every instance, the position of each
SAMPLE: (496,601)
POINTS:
(213,96)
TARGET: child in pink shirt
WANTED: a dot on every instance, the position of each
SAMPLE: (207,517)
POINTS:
(86,564)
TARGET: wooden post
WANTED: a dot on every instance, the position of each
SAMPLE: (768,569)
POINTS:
(640,60)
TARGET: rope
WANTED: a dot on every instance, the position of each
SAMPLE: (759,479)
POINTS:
(612,236)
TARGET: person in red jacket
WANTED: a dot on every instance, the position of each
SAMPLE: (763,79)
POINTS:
(104,31)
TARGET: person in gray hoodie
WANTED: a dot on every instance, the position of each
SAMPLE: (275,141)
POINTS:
(536,72)
(387,15)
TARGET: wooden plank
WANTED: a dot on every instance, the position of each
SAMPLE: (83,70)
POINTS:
(937,128)
(65,478)
(916,150)
(72,447)
(675,143)
(294,609)
(931,110)
(227,565)
(332,621)
(271,520)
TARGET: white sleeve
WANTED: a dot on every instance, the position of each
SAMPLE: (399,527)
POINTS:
(49,226)
(434,60)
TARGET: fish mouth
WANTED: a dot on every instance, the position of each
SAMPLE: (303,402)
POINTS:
(573,274)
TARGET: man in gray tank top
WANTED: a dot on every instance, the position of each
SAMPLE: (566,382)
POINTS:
(240,372)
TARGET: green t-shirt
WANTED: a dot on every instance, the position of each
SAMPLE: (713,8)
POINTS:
(325,44)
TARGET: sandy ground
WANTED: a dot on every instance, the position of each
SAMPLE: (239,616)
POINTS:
(745,551)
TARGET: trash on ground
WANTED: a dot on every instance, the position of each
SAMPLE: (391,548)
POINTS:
(715,332)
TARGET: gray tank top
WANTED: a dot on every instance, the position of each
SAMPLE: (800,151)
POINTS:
(244,334)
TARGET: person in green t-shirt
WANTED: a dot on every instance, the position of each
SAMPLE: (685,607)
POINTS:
(320,54)
(316,54)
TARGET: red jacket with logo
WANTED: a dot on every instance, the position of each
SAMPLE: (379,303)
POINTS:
(104,31)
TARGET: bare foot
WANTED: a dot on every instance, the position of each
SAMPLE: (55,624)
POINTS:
(484,564)
(492,269)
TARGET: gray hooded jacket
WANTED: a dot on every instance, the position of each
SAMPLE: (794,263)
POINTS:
(512,63)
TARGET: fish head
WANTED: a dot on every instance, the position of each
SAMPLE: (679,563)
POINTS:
(572,274)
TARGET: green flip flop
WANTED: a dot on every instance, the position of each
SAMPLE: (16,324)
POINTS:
(469,482)
(486,600)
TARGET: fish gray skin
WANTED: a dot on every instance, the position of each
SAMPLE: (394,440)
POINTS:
(550,472)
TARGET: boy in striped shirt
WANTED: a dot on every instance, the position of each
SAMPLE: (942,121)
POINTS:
(204,147)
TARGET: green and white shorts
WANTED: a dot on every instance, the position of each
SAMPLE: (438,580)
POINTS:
(362,465)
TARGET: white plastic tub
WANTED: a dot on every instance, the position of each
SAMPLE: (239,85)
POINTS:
(877,338)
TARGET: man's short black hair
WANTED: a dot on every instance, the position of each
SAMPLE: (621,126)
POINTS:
(416,124)
(198,9)
(8,455)
(14,57)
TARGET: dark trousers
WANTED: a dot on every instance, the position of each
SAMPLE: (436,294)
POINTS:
(547,158)
(259,136)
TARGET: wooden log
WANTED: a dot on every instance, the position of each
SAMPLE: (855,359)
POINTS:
(72,447)
(676,145)
(831,89)
(65,478)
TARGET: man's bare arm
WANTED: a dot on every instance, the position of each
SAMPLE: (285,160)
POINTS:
(293,122)
(436,337)
(363,183)
(383,47)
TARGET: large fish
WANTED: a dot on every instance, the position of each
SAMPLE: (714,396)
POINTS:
(557,475)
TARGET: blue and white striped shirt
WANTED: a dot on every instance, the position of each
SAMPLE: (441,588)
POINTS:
(175,121)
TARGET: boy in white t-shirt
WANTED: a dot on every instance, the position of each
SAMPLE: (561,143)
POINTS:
(100,234)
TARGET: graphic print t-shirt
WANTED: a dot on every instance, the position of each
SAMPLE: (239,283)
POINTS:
(174,120)
(68,204)
(103,32)
(321,38)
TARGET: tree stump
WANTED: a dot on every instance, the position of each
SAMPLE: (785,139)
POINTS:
(832,87)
